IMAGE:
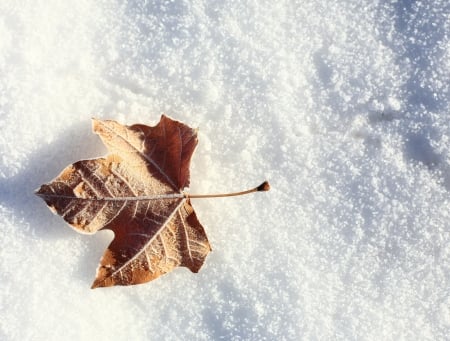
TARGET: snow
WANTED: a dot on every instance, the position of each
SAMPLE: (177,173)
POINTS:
(342,105)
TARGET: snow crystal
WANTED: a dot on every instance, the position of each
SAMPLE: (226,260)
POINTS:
(342,106)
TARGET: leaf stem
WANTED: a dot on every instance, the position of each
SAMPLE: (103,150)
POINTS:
(263,187)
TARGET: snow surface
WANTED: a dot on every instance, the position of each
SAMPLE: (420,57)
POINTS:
(342,105)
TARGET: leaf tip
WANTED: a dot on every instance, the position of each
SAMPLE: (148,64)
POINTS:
(95,122)
(263,187)
(41,191)
(37,191)
(98,283)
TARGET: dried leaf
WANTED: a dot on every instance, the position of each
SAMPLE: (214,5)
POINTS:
(135,191)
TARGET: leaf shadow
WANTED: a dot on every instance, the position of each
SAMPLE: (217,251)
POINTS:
(43,164)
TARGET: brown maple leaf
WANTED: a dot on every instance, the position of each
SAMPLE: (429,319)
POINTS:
(137,192)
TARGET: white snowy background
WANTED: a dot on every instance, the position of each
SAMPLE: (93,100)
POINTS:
(342,105)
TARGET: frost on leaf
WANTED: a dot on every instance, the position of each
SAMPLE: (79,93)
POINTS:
(135,191)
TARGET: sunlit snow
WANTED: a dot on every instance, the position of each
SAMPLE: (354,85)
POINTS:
(342,105)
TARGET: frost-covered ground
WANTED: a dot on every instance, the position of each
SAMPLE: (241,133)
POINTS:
(342,105)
